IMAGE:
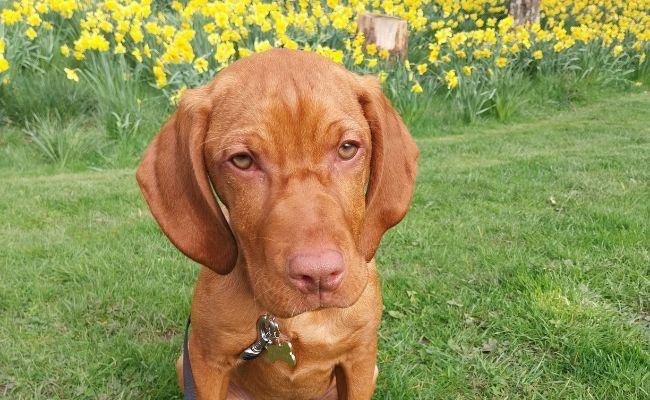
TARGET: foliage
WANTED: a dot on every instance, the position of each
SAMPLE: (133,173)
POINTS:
(174,45)
(124,64)
(60,142)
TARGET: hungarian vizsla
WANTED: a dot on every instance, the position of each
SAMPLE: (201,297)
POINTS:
(280,177)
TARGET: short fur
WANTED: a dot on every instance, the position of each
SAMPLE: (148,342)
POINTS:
(299,228)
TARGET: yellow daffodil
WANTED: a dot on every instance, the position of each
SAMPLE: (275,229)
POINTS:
(4,64)
(176,98)
(65,50)
(71,74)
(201,65)
(480,33)
(225,50)
(416,88)
(137,55)
(10,17)
(119,49)
(159,74)
(34,20)
(451,79)
(31,33)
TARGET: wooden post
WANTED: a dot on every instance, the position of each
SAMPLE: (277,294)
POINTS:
(524,11)
(386,32)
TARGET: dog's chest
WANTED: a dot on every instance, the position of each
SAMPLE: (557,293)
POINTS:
(310,378)
(319,346)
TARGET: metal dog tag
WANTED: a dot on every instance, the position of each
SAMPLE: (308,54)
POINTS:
(268,337)
(281,352)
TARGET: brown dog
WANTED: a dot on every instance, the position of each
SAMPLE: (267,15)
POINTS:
(312,165)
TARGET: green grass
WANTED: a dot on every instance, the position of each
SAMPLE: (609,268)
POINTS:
(522,270)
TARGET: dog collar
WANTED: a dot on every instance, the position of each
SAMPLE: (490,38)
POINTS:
(268,338)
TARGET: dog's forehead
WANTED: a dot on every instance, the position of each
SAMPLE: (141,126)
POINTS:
(287,97)
(290,78)
(280,64)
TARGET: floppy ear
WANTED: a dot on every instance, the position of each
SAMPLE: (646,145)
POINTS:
(393,167)
(175,183)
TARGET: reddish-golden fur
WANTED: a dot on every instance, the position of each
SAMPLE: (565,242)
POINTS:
(312,165)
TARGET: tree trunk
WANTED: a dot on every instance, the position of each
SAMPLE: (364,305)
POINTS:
(524,11)
(386,32)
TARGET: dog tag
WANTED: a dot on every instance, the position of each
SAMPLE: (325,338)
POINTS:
(267,334)
(281,352)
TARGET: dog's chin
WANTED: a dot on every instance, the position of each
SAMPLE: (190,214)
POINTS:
(308,304)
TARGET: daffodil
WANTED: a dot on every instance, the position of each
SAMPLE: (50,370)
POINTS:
(31,33)
(201,65)
(34,20)
(10,17)
(137,55)
(71,74)
(159,74)
(480,33)
(4,64)
(119,49)
(225,50)
(176,98)
(262,46)
(451,79)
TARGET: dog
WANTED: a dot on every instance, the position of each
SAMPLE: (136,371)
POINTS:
(280,177)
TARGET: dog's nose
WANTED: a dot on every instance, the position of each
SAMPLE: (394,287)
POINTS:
(316,271)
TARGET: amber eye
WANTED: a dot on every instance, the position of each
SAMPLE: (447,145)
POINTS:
(242,161)
(348,150)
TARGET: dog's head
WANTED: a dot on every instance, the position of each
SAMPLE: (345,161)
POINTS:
(312,165)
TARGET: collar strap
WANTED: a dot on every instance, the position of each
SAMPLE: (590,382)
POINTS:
(189,389)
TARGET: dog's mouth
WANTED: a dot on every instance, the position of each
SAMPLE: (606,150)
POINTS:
(319,301)
(290,302)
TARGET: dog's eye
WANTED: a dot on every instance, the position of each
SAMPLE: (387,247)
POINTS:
(348,150)
(242,161)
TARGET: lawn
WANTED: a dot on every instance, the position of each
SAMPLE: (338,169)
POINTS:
(522,270)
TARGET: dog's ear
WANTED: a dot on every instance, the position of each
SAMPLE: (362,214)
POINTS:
(393,167)
(175,183)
